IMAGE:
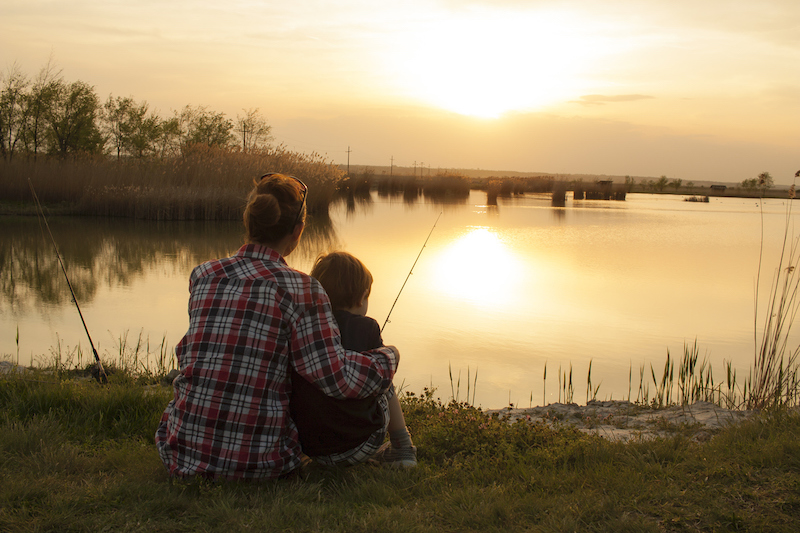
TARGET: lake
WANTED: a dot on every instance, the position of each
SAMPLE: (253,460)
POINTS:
(503,290)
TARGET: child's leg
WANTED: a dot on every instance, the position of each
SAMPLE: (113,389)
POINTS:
(396,419)
(398,432)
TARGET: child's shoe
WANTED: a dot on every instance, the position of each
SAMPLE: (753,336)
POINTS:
(405,457)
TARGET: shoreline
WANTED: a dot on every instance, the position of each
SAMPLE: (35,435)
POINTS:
(614,420)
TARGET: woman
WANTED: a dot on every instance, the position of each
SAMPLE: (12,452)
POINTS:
(252,320)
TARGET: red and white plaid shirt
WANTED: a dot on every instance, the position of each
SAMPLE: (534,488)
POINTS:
(251,319)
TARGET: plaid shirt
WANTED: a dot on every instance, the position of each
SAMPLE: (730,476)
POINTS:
(251,319)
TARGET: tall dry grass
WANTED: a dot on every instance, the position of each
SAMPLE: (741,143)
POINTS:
(205,183)
(774,379)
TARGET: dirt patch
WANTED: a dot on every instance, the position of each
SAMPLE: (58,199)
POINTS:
(624,421)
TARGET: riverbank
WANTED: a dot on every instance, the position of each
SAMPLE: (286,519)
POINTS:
(78,456)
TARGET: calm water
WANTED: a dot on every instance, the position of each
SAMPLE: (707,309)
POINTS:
(502,290)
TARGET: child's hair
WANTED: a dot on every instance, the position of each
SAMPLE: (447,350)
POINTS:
(343,277)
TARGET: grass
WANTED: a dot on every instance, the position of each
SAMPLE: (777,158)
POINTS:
(78,456)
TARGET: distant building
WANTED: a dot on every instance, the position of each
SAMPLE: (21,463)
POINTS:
(719,189)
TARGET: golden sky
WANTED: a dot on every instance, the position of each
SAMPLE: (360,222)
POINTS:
(697,90)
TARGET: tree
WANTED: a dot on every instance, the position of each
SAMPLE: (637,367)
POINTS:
(38,104)
(114,113)
(201,126)
(253,130)
(71,119)
(145,134)
(629,183)
(661,183)
(765,181)
(676,183)
(751,183)
(12,110)
(168,142)
(129,128)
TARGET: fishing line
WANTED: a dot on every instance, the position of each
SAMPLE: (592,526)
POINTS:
(102,373)
(410,271)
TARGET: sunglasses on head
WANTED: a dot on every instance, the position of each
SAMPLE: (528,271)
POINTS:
(303,189)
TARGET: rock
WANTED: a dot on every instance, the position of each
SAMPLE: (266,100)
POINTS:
(167,380)
(7,367)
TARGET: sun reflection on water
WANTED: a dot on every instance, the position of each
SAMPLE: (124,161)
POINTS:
(478,268)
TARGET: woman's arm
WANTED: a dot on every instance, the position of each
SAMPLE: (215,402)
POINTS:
(318,356)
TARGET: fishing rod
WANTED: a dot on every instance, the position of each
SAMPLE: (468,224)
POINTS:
(411,271)
(101,371)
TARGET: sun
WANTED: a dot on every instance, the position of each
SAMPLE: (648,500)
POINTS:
(484,63)
(459,275)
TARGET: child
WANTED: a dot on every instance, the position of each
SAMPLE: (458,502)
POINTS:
(336,431)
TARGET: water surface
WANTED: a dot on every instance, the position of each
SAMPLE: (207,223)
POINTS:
(504,290)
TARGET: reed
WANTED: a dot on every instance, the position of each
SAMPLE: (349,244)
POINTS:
(149,361)
(565,385)
(446,186)
(205,183)
(589,390)
(701,199)
(544,385)
(443,186)
(559,197)
(773,380)
(455,386)
(506,186)
(136,358)
(493,188)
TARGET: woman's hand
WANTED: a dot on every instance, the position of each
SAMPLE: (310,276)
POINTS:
(396,354)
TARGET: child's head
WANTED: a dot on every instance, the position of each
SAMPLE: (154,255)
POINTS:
(346,280)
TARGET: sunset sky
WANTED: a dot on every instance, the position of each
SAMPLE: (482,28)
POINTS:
(697,90)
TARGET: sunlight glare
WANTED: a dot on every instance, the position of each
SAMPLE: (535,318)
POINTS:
(484,64)
(479,268)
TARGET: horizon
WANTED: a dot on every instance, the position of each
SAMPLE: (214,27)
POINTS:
(700,92)
(482,173)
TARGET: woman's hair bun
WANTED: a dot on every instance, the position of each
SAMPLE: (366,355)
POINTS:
(272,209)
(265,208)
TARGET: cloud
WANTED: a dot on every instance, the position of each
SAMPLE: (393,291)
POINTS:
(601,99)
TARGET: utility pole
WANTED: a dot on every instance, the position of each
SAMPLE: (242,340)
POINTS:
(348,160)
(415,169)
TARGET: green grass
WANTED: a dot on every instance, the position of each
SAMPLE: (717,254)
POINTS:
(78,456)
